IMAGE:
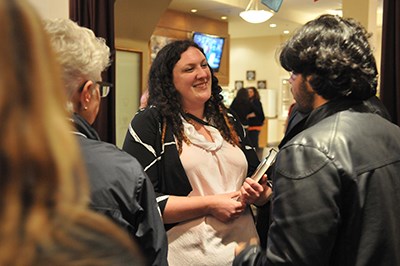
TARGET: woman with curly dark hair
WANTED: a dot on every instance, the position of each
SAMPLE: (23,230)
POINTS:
(196,154)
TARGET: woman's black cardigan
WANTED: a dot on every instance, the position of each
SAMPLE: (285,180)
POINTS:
(161,162)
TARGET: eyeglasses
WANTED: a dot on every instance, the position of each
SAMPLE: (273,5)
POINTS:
(104,87)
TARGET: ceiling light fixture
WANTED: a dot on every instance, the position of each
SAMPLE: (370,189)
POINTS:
(254,15)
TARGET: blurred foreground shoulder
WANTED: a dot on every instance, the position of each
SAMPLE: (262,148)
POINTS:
(89,239)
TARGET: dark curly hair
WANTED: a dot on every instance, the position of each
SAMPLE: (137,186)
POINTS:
(336,53)
(163,95)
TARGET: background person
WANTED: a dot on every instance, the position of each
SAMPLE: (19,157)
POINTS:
(45,219)
(242,107)
(256,118)
(119,187)
(143,99)
(335,197)
(197,157)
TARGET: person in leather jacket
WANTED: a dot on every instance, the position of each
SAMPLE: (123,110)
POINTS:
(119,186)
(336,176)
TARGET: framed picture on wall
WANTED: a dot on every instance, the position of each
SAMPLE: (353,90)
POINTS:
(238,84)
(251,75)
(261,84)
(156,43)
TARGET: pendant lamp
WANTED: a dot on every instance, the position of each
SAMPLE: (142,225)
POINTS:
(254,15)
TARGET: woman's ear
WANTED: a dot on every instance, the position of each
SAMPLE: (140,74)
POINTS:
(86,94)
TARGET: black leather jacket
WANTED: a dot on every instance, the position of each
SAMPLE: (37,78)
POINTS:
(121,190)
(335,192)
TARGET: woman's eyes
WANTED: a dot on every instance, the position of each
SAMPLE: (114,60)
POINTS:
(190,69)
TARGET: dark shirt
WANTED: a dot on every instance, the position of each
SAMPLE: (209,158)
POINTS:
(121,190)
(242,109)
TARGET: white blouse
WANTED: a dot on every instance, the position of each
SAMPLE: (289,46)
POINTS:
(212,168)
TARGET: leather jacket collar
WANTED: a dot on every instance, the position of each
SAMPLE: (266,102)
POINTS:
(330,108)
(371,105)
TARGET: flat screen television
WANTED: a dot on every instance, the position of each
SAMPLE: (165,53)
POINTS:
(213,47)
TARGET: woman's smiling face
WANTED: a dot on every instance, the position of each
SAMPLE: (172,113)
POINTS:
(192,78)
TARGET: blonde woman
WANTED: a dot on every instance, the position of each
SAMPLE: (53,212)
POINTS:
(44,218)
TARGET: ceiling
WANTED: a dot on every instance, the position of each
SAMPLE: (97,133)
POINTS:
(290,16)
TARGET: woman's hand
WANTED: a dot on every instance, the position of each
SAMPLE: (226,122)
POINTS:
(251,115)
(255,193)
(226,207)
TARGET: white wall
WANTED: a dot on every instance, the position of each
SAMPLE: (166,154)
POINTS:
(51,8)
(127,92)
(260,54)
(255,54)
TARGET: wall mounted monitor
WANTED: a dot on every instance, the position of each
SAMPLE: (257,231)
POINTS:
(213,47)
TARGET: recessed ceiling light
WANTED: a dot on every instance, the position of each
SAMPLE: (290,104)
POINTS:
(193,10)
(272,25)
(224,17)
(286,32)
